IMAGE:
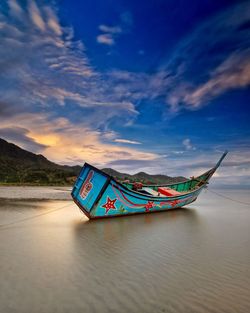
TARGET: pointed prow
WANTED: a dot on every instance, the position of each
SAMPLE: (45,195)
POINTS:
(221,159)
(205,177)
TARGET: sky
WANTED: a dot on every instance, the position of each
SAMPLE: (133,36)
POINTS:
(156,86)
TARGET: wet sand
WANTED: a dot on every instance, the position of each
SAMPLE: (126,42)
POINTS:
(188,260)
(35,192)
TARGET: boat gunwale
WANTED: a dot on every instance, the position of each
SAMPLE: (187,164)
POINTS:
(166,198)
(136,194)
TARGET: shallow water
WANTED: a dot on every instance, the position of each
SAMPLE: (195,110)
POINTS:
(188,260)
(35,192)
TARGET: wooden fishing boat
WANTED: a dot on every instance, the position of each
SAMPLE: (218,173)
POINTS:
(99,195)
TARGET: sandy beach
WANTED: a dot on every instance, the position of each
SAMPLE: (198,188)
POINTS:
(35,192)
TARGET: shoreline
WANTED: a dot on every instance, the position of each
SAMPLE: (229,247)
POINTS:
(30,185)
(35,193)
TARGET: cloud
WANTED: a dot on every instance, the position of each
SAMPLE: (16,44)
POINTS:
(233,73)
(106,39)
(188,145)
(133,166)
(21,137)
(7,108)
(234,169)
(49,87)
(44,69)
(36,16)
(53,22)
(43,66)
(15,8)
(110,29)
(127,141)
(64,142)
(210,61)
(109,34)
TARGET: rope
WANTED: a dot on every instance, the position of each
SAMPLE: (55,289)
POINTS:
(228,198)
(63,207)
(33,217)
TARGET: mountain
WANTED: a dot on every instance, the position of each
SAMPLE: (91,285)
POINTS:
(18,166)
(144,177)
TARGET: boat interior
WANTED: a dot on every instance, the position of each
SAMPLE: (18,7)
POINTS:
(175,189)
(171,190)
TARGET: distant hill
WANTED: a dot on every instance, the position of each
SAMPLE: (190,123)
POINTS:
(144,177)
(18,166)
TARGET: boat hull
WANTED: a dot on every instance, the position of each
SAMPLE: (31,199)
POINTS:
(98,195)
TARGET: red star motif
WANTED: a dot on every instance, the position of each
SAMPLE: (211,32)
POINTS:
(109,205)
(173,203)
(149,205)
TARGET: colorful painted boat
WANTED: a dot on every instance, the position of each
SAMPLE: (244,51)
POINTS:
(100,195)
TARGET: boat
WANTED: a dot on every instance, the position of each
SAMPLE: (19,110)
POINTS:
(100,195)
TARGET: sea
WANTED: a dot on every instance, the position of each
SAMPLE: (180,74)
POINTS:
(54,260)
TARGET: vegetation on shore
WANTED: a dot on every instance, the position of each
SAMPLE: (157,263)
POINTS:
(21,167)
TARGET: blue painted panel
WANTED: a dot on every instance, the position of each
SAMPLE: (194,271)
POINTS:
(88,186)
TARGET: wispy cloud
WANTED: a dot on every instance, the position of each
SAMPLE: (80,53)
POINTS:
(52,67)
(108,35)
(233,73)
(20,136)
(36,16)
(53,22)
(110,29)
(42,65)
(43,68)
(62,105)
(15,8)
(127,141)
(188,145)
(210,61)
(105,39)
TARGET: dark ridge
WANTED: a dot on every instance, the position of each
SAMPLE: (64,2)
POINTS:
(144,177)
(18,166)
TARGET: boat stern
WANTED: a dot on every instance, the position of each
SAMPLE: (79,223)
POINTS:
(88,188)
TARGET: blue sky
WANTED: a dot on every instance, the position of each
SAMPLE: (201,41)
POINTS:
(156,86)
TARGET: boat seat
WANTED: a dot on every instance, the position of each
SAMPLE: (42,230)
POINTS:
(151,191)
(166,191)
